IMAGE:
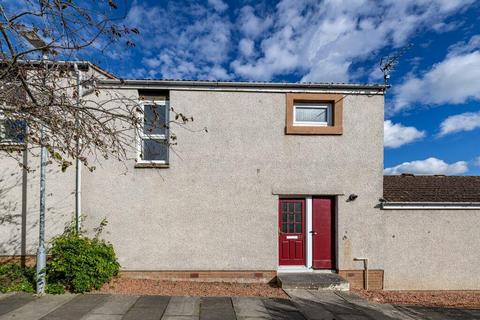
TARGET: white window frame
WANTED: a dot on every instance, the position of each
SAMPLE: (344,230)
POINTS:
(142,136)
(313,105)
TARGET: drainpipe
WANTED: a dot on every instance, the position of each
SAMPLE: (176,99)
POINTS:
(78,167)
(365,267)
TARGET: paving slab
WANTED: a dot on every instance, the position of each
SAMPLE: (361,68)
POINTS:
(183,306)
(113,308)
(38,308)
(373,310)
(312,310)
(216,308)
(283,309)
(147,308)
(14,301)
(77,307)
(436,313)
(250,308)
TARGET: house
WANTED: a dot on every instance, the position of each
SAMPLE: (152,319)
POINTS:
(270,177)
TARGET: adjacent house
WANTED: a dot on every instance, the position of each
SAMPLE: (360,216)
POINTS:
(269,178)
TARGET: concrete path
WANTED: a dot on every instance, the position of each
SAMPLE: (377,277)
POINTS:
(303,305)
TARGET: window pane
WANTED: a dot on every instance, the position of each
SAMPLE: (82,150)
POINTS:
(290,218)
(284,207)
(311,114)
(284,227)
(298,217)
(284,217)
(298,228)
(291,228)
(154,150)
(298,207)
(290,206)
(12,131)
(154,119)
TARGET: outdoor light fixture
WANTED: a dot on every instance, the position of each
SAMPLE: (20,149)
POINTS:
(352,197)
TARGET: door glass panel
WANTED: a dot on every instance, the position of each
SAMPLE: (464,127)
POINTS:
(290,206)
(298,227)
(298,217)
(284,217)
(284,206)
(298,207)
(291,228)
(290,218)
(284,227)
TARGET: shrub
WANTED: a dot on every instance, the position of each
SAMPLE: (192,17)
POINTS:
(15,278)
(81,263)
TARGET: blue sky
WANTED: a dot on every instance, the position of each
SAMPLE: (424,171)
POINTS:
(432,111)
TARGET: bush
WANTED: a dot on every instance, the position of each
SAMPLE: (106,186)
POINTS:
(81,263)
(15,278)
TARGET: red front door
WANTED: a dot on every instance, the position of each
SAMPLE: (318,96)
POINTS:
(291,235)
(322,233)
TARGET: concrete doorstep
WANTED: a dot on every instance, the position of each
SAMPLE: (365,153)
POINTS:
(312,281)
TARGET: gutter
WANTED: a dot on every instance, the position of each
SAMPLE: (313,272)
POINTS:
(244,86)
(392,205)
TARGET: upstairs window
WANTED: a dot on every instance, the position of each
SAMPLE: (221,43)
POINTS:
(314,114)
(153,144)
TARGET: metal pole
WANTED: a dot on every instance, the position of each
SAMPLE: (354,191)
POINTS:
(78,167)
(41,253)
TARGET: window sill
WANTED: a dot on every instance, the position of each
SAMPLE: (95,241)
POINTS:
(12,147)
(314,130)
(144,165)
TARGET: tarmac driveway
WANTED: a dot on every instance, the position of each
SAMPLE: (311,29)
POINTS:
(304,304)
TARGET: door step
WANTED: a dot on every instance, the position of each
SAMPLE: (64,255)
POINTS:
(313,281)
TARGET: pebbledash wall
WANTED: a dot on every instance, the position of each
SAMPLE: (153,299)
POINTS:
(216,206)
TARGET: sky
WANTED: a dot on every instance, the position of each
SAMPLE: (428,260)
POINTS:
(432,110)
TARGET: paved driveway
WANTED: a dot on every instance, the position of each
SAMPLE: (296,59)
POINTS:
(305,304)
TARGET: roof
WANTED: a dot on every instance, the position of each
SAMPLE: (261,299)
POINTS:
(242,85)
(81,64)
(439,188)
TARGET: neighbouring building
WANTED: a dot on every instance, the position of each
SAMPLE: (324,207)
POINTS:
(286,177)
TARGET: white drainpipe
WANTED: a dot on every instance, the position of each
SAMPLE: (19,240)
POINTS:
(78,167)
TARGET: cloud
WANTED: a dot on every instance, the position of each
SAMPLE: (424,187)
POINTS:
(321,40)
(194,45)
(251,25)
(467,121)
(315,40)
(476,161)
(396,134)
(453,80)
(428,167)
(218,5)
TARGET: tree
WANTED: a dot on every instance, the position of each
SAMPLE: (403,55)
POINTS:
(39,85)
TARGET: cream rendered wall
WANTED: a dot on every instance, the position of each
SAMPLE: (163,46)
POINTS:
(215,208)
(432,249)
(19,217)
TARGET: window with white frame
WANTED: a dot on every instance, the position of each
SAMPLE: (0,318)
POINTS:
(312,114)
(153,143)
(12,132)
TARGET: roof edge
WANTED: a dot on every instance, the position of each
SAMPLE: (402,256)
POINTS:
(271,86)
(429,205)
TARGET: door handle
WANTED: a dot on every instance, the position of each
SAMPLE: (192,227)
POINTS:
(313,232)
